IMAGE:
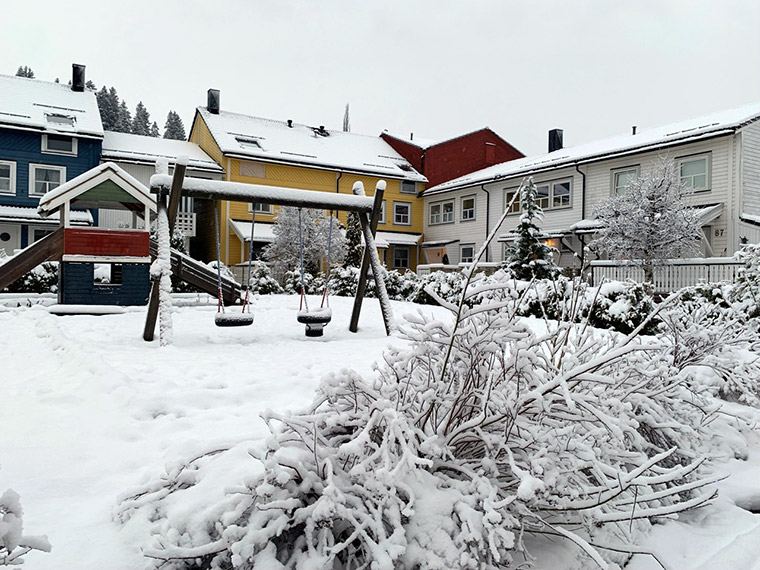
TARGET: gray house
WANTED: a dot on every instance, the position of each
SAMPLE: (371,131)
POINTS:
(718,155)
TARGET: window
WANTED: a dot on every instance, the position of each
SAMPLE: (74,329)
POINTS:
(442,213)
(402,213)
(466,253)
(401,257)
(695,172)
(408,187)
(382,213)
(468,208)
(7,177)
(561,194)
(109,274)
(38,233)
(261,208)
(621,179)
(508,195)
(60,120)
(59,144)
(43,179)
(549,195)
(251,143)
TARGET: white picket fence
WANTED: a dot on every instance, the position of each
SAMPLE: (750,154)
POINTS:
(674,275)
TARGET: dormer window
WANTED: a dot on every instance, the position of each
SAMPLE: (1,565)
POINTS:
(60,120)
(59,144)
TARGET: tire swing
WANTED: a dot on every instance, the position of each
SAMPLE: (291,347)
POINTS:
(315,319)
(222,318)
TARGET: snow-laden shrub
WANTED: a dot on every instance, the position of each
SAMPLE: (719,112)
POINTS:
(621,306)
(446,285)
(314,284)
(344,281)
(41,279)
(261,280)
(747,290)
(478,432)
(13,544)
(400,286)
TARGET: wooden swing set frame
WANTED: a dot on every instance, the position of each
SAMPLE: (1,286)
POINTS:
(368,209)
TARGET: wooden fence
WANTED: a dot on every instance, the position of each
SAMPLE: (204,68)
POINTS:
(674,275)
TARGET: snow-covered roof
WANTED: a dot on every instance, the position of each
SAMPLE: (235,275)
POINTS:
(418,142)
(397,238)
(269,140)
(145,150)
(261,232)
(676,133)
(25,214)
(79,185)
(48,107)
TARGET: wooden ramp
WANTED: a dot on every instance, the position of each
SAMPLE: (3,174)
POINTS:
(200,275)
(49,248)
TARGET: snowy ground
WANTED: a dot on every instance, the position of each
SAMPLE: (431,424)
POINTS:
(89,410)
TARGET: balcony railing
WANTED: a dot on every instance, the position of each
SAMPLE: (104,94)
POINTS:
(674,275)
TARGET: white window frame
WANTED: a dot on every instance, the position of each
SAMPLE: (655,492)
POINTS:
(381,220)
(550,184)
(462,209)
(32,178)
(408,251)
(441,216)
(395,218)
(30,232)
(410,192)
(614,173)
(12,189)
(74,146)
(462,257)
(264,209)
(707,157)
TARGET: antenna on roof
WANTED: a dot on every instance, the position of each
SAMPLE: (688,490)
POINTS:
(633,129)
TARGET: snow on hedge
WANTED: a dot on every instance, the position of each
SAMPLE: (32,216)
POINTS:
(480,432)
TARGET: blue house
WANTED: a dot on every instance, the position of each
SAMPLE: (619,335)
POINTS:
(49,133)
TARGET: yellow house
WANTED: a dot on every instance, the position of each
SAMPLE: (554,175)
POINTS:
(287,154)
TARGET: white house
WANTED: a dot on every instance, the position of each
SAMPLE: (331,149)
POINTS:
(718,155)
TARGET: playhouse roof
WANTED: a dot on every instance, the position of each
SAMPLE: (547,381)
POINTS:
(48,107)
(274,141)
(706,126)
(114,186)
(146,150)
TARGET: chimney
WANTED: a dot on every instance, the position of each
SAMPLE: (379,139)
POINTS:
(213,101)
(555,139)
(77,77)
(633,130)
(290,123)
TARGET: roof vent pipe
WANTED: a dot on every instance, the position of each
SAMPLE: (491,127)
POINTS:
(555,139)
(213,101)
(77,77)
(290,123)
(411,136)
(633,130)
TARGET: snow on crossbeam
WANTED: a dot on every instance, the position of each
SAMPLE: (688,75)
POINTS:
(243,192)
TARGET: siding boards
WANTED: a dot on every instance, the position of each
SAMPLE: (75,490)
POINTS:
(750,169)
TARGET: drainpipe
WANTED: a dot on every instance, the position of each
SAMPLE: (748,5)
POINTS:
(488,214)
(583,212)
(337,187)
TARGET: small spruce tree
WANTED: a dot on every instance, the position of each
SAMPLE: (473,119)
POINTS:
(108,105)
(154,132)
(124,124)
(529,257)
(174,128)
(25,72)
(355,250)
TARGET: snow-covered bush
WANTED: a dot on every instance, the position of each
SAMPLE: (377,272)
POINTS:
(226,271)
(312,284)
(41,279)
(747,290)
(478,432)
(261,280)
(400,286)
(446,285)
(621,306)
(344,281)
(13,545)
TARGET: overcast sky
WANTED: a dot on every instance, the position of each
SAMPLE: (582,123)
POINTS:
(437,68)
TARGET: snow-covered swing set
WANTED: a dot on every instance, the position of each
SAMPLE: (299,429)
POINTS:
(170,189)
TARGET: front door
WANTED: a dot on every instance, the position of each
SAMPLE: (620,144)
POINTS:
(10,238)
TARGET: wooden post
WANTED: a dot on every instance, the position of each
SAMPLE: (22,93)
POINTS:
(369,228)
(176,192)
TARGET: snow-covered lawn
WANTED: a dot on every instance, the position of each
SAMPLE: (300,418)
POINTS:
(89,410)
